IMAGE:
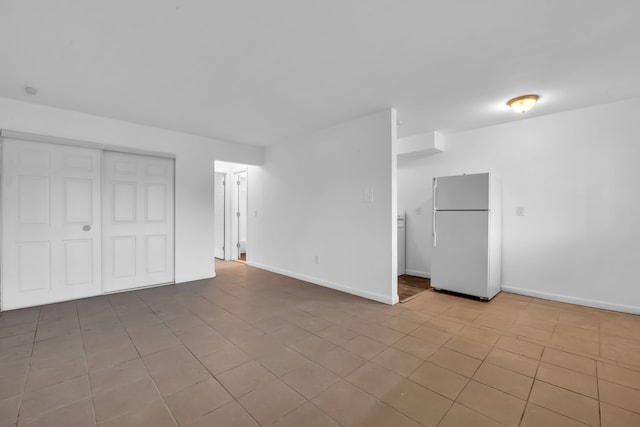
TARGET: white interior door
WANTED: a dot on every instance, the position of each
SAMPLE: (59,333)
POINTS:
(219,209)
(138,224)
(241,206)
(50,222)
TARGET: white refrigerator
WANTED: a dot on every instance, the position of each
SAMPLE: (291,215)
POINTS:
(467,234)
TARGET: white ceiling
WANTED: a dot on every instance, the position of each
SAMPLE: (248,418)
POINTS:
(259,72)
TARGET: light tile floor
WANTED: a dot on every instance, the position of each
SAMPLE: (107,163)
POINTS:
(254,348)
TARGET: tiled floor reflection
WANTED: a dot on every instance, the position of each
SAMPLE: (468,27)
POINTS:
(254,348)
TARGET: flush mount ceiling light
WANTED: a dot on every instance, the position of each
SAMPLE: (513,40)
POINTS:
(30,90)
(522,104)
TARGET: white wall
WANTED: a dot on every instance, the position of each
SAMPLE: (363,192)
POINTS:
(577,176)
(195,156)
(309,199)
(421,144)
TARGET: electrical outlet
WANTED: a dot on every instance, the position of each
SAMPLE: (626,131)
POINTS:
(519,210)
(418,211)
(316,259)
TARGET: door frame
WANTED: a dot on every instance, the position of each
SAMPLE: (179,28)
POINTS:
(234,223)
(225,198)
(230,222)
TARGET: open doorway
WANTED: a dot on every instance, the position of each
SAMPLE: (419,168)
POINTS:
(412,225)
(231,211)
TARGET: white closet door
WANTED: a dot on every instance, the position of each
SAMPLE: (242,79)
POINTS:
(51,223)
(137,217)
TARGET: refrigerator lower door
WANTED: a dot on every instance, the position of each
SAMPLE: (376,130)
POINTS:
(461,253)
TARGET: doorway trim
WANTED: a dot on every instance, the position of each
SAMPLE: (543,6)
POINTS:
(235,210)
(231,169)
(225,203)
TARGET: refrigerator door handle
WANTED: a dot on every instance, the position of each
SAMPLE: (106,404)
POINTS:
(435,193)
(433,228)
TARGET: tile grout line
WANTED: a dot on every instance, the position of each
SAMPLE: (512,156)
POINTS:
(470,378)
(547,344)
(213,376)
(538,365)
(142,360)
(60,382)
(598,391)
(26,377)
(533,382)
(84,350)
(304,356)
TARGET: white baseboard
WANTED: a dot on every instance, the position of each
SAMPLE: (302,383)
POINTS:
(317,281)
(418,273)
(573,300)
(394,300)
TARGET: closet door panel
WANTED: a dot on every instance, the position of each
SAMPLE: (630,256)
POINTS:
(51,243)
(138,220)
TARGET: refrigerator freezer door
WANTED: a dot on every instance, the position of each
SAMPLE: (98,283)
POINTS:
(460,256)
(462,192)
